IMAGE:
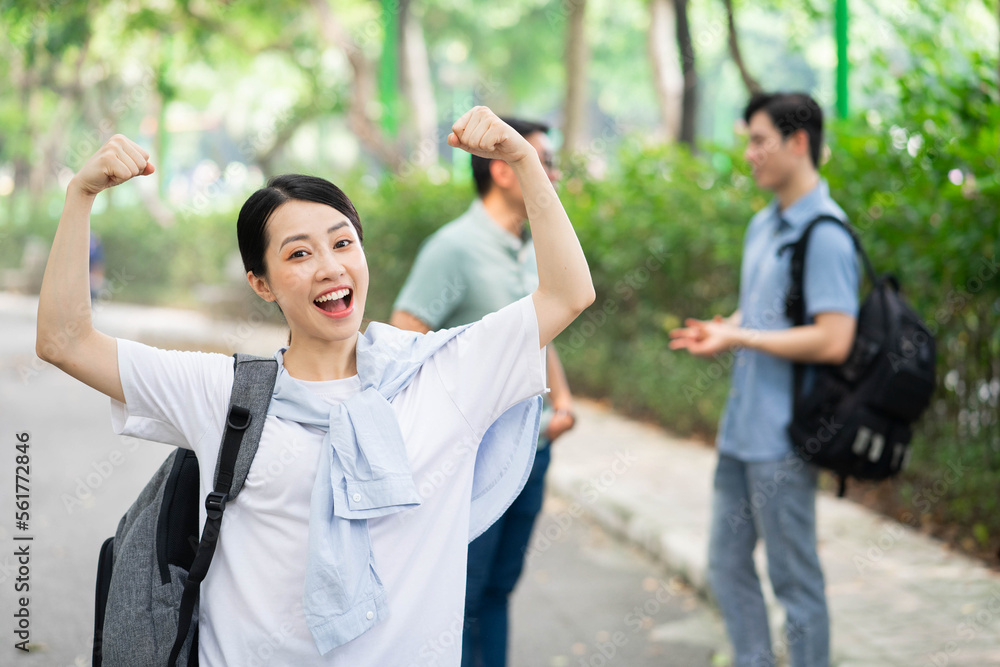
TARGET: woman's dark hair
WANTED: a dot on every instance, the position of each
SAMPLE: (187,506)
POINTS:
(481,166)
(791,112)
(252,224)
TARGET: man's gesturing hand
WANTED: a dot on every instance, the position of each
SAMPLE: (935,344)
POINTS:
(705,338)
(480,132)
(117,161)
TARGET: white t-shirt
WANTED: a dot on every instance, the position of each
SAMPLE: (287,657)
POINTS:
(251,600)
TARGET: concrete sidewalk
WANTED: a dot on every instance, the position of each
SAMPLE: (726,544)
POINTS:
(896,597)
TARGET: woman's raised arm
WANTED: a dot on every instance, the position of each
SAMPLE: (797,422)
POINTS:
(565,288)
(66,336)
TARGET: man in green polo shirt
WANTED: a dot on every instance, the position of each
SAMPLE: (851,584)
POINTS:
(473,266)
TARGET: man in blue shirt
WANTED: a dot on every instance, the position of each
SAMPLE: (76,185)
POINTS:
(762,489)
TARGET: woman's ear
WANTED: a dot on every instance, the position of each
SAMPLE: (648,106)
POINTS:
(259,285)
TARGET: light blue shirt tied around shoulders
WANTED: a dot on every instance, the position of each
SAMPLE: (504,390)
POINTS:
(364,473)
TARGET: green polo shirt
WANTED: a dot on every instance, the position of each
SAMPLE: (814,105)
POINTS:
(467,269)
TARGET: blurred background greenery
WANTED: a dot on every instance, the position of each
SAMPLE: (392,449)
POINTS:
(644,97)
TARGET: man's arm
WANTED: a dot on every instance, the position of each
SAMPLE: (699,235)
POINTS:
(559,395)
(830,288)
(404,320)
(434,288)
(827,341)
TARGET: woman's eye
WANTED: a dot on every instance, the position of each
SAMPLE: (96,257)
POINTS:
(342,243)
(297,254)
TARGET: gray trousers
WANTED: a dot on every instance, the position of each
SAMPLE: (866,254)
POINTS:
(774,501)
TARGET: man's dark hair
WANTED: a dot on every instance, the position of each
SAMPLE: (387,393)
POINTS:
(481,166)
(791,112)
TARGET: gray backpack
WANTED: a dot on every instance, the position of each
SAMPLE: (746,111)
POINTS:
(149,574)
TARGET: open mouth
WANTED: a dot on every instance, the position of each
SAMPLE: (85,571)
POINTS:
(337,302)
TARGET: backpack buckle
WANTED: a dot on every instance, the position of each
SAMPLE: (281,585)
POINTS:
(215,503)
(239,417)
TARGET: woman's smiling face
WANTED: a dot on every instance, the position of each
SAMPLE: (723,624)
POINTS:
(316,271)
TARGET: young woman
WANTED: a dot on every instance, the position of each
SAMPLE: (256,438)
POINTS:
(343,548)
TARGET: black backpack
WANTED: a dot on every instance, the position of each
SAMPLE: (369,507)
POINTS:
(856,418)
(149,574)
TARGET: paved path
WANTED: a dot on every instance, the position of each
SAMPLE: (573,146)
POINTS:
(82,478)
(585,600)
(896,596)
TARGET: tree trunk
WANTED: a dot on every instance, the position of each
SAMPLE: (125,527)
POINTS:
(753,87)
(363,89)
(689,106)
(283,127)
(667,73)
(417,87)
(37,176)
(575,123)
(22,161)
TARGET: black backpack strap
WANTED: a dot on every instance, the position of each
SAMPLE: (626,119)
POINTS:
(795,306)
(105,566)
(795,301)
(253,385)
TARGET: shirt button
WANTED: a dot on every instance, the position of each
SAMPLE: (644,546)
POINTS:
(357,499)
(370,615)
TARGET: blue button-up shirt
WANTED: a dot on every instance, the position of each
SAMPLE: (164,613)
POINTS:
(759,408)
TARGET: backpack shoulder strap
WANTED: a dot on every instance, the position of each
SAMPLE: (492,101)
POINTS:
(252,388)
(795,306)
(253,385)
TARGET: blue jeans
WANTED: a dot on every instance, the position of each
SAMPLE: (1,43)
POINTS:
(496,559)
(776,501)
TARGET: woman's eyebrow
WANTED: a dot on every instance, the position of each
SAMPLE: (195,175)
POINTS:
(303,237)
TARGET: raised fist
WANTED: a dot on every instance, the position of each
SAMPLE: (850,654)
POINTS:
(117,161)
(480,132)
